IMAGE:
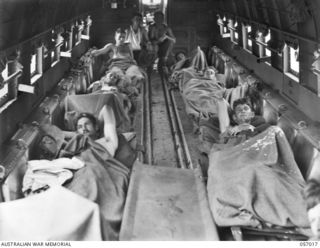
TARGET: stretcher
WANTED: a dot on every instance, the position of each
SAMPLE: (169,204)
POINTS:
(167,204)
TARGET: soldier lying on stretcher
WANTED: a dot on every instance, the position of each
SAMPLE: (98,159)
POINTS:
(245,125)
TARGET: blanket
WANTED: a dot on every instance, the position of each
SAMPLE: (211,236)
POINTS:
(43,173)
(56,214)
(256,182)
(103,180)
(202,96)
(122,63)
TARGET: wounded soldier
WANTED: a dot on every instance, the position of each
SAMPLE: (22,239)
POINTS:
(245,125)
(253,179)
(97,175)
(122,61)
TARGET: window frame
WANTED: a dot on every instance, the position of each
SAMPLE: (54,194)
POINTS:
(288,71)
(39,57)
(262,42)
(224,30)
(55,51)
(5,84)
(233,31)
(246,39)
(14,72)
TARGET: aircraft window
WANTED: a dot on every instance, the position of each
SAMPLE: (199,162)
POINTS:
(36,65)
(88,24)
(54,55)
(33,65)
(291,62)
(79,30)
(151,2)
(268,52)
(4,89)
(267,38)
(5,72)
(10,75)
(294,61)
(262,39)
(247,41)
(233,31)
(224,31)
(45,52)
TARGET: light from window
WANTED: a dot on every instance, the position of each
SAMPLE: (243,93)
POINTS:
(236,35)
(33,64)
(249,41)
(4,90)
(267,37)
(5,73)
(293,62)
(151,2)
(268,52)
(45,52)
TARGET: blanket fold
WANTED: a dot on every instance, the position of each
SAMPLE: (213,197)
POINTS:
(103,180)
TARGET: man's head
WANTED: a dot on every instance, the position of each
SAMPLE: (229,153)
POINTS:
(120,36)
(48,147)
(111,78)
(242,111)
(180,56)
(158,17)
(137,20)
(87,124)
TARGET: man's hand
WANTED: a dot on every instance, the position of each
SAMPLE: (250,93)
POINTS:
(233,131)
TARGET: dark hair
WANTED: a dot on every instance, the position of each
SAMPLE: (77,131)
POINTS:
(86,115)
(312,193)
(120,31)
(242,101)
(178,53)
(159,13)
(136,14)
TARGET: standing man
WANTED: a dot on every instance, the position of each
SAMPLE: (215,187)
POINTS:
(162,38)
(137,36)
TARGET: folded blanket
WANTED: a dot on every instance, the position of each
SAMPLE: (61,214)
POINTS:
(43,173)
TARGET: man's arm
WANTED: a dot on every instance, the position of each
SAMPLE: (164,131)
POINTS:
(103,50)
(170,35)
(110,139)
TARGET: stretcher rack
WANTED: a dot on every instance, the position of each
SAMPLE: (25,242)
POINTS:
(167,204)
(240,233)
